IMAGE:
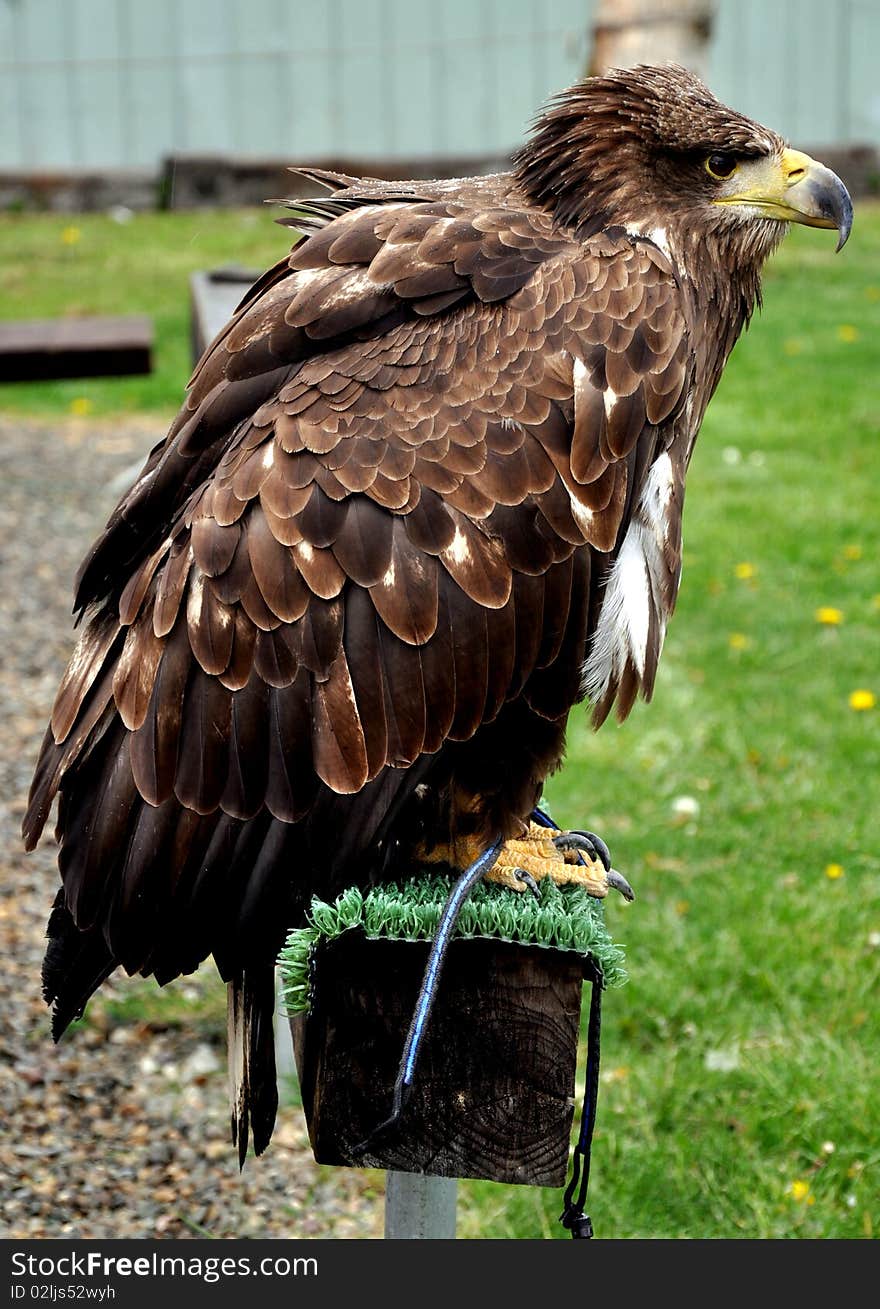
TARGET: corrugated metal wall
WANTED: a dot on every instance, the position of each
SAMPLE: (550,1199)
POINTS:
(120,83)
(806,67)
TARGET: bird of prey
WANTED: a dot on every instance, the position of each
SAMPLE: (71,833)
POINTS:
(424,496)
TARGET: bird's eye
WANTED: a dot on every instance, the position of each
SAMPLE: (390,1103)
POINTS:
(721,166)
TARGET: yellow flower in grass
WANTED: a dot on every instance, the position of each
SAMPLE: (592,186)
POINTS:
(738,641)
(745,571)
(852,551)
(834,872)
(70,235)
(829,616)
(862,699)
(847,333)
(81,407)
(800,1192)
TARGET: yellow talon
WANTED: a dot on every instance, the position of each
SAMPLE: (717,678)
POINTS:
(537,855)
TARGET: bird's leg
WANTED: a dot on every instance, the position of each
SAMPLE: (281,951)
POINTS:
(541,850)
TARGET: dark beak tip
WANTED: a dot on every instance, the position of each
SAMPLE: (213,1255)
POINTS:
(844,216)
(842,236)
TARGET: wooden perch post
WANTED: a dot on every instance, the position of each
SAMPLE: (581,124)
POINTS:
(494,1088)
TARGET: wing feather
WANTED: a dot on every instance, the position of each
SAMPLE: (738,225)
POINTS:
(338,744)
(248,753)
(363,653)
(154,745)
(291,780)
(406,596)
(202,762)
(403,689)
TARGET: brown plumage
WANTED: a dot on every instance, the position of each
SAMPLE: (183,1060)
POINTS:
(423,496)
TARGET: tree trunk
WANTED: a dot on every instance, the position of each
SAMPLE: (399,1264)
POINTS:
(627,32)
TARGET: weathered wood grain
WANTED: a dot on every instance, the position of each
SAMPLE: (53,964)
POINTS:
(494,1088)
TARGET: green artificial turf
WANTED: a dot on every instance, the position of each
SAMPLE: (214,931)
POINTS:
(565,918)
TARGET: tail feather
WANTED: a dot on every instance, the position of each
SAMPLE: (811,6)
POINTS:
(253,1090)
(75,965)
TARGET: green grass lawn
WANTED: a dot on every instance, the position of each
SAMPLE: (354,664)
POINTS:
(88,264)
(740,1061)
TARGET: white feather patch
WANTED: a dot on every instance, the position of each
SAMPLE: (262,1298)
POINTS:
(622,632)
(458,549)
(657,495)
(351,288)
(658,235)
(634,588)
(195,599)
(581,514)
(235,1044)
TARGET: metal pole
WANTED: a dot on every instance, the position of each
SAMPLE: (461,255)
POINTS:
(285,1063)
(419,1208)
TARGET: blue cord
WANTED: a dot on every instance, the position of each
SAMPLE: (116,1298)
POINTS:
(428,990)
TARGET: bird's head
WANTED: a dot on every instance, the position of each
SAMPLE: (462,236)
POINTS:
(651,147)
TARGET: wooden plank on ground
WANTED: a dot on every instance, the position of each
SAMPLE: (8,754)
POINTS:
(214,296)
(37,350)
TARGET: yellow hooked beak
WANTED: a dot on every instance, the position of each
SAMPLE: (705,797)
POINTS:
(793,188)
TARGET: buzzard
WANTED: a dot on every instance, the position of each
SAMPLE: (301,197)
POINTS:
(424,496)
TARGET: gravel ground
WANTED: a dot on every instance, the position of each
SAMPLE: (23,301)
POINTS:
(121,1130)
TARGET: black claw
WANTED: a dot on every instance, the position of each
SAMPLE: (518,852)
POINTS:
(601,849)
(619,882)
(588,842)
(591,844)
(526,878)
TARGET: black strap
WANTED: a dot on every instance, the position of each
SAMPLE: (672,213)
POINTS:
(573,1217)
